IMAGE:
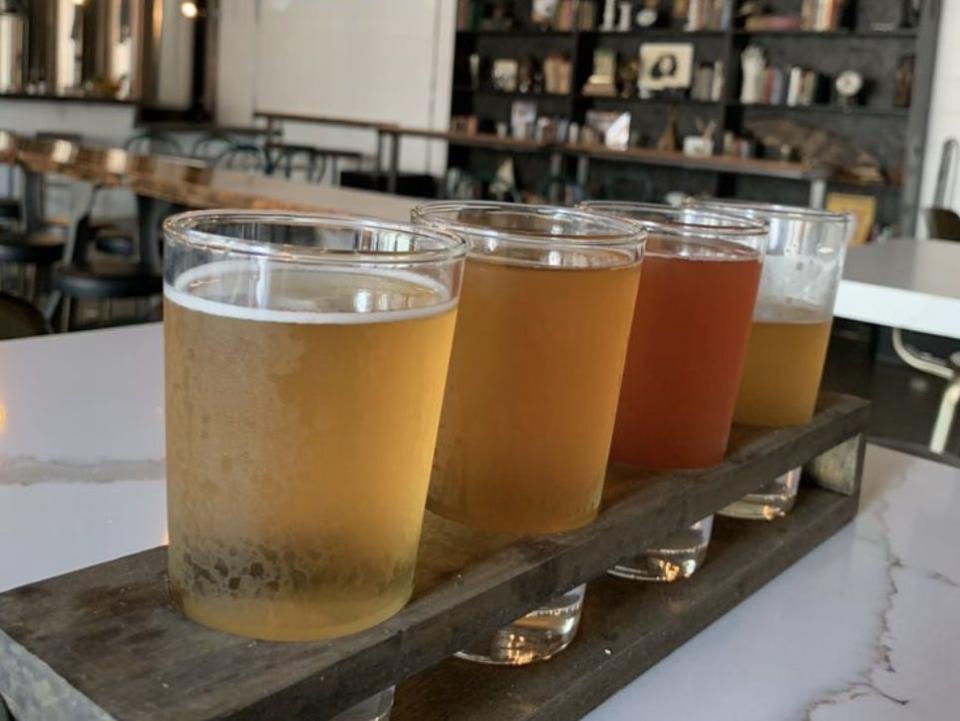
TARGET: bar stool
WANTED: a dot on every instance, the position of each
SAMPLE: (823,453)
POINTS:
(85,277)
(20,319)
(28,258)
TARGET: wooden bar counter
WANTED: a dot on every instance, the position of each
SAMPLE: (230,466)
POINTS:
(191,183)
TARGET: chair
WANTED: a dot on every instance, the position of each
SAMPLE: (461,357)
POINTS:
(26,259)
(246,158)
(942,223)
(20,318)
(210,146)
(85,278)
(153,143)
(567,190)
(298,158)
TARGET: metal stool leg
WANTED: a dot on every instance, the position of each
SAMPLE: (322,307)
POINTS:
(945,416)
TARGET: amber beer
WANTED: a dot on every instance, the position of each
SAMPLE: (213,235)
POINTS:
(300,440)
(531,396)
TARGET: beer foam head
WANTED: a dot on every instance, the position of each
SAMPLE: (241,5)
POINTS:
(279,292)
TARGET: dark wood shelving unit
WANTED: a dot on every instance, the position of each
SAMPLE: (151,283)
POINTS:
(896,135)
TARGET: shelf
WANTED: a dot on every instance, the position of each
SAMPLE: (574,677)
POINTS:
(79,99)
(505,94)
(518,32)
(657,32)
(670,102)
(866,34)
(823,108)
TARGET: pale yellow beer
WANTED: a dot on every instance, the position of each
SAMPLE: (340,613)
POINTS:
(532,394)
(781,375)
(300,441)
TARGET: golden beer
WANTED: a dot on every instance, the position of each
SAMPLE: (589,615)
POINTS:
(532,394)
(299,443)
(781,375)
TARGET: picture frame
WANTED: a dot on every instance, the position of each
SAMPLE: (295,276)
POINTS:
(862,207)
(666,66)
(504,75)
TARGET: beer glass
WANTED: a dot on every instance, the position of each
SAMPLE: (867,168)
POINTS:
(306,358)
(701,271)
(537,360)
(791,329)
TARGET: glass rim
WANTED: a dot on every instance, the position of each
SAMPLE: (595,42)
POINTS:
(187,228)
(740,226)
(780,211)
(623,233)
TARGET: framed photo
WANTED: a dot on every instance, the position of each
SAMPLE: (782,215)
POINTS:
(505,73)
(862,207)
(666,66)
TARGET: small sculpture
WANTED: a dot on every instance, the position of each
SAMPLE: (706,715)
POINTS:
(754,63)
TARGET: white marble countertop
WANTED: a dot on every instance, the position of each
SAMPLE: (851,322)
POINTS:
(903,283)
(867,627)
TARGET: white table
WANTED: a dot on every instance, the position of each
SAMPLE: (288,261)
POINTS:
(868,621)
(910,285)
(903,283)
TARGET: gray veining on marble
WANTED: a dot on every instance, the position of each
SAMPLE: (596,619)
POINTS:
(25,470)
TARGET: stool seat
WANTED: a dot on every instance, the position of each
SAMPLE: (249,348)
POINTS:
(10,208)
(107,278)
(19,318)
(114,239)
(39,248)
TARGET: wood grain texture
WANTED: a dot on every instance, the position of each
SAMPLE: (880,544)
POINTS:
(188,182)
(627,626)
(109,632)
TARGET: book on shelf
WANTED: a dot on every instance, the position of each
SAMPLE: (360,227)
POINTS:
(556,73)
(708,82)
(708,15)
(821,15)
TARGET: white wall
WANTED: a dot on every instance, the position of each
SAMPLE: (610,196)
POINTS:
(944,117)
(380,60)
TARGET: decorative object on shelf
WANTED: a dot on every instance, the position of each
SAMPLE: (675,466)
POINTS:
(681,8)
(665,66)
(505,72)
(610,127)
(502,129)
(701,144)
(502,17)
(903,82)
(648,16)
(556,73)
(469,14)
(753,63)
(551,130)
(862,207)
(474,63)
(669,138)
(910,13)
(822,15)
(543,13)
(818,147)
(628,74)
(523,119)
(587,15)
(609,16)
(603,80)
(528,72)
(625,16)
(736,146)
(849,85)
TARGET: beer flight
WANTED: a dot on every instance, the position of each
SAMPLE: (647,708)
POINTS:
(328,378)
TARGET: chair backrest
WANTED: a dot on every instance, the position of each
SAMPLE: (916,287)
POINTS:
(942,223)
(636,187)
(153,143)
(210,146)
(248,158)
(19,318)
(299,162)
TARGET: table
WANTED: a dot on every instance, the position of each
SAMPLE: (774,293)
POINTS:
(865,627)
(911,285)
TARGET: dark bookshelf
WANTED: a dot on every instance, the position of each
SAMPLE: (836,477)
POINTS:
(868,41)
